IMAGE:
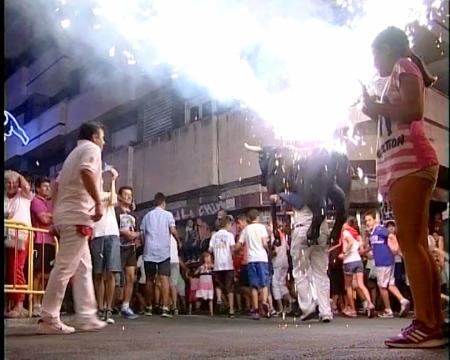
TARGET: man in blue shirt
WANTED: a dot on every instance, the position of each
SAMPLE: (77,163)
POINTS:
(157,226)
(384,247)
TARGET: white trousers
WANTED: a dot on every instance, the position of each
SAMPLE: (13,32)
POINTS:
(72,261)
(310,265)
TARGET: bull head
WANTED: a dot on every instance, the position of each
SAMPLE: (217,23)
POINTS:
(276,166)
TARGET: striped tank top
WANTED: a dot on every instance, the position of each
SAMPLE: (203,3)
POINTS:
(402,148)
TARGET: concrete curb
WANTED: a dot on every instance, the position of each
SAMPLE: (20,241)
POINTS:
(27,322)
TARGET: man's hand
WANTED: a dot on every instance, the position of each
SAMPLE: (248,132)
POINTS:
(369,104)
(98,212)
(114,173)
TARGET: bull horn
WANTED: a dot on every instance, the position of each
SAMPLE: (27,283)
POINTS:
(253,148)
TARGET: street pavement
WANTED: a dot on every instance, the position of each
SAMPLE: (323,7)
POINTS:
(203,337)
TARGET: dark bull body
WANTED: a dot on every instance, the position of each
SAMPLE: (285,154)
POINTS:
(322,176)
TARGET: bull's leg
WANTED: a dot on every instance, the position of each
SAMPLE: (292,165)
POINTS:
(337,197)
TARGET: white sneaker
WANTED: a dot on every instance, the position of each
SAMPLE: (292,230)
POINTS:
(326,318)
(89,324)
(55,328)
(405,304)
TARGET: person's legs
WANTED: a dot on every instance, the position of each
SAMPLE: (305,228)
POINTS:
(348,279)
(99,287)
(128,287)
(110,285)
(362,287)
(410,198)
(321,281)
(165,291)
(68,259)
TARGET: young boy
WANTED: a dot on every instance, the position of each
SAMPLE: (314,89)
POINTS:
(256,238)
(222,247)
(384,247)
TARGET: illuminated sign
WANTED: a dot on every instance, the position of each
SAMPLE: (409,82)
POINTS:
(12,127)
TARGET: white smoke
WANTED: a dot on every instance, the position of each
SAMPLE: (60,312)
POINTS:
(295,63)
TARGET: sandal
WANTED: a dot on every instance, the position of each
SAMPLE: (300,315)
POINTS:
(351,314)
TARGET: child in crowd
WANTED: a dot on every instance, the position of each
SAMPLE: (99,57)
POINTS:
(280,266)
(256,238)
(205,290)
(222,246)
(193,282)
(384,247)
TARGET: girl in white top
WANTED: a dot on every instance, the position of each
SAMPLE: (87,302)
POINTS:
(353,265)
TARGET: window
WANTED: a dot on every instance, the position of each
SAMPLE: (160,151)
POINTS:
(194,114)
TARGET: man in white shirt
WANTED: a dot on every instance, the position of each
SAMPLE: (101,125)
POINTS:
(256,239)
(105,252)
(18,201)
(157,226)
(222,247)
(77,207)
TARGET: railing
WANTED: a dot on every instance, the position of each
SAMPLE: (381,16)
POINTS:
(27,288)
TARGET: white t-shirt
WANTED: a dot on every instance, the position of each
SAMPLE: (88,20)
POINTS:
(220,245)
(107,225)
(174,258)
(18,208)
(141,267)
(252,236)
(74,205)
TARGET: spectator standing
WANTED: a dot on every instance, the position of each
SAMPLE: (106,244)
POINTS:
(222,247)
(129,237)
(205,289)
(175,263)
(191,241)
(256,238)
(384,247)
(407,174)
(77,207)
(353,267)
(44,245)
(280,265)
(157,226)
(240,266)
(18,197)
(105,252)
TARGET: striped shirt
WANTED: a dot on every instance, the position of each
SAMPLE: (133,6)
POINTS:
(402,148)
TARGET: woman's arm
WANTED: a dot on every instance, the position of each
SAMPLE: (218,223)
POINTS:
(409,108)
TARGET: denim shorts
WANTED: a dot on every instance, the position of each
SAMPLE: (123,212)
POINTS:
(105,253)
(354,267)
(258,274)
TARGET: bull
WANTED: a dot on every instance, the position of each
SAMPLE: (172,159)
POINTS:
(322,177)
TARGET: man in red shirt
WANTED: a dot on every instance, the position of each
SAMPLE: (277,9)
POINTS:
(41,217)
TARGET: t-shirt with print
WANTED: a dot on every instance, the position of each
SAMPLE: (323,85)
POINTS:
(402,148)
(281,258)
(220,245)
(41,205)
(252,237)
(126,220)
(156,229)
(74,205)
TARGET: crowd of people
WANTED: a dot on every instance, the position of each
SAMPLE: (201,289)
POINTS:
(144,267)
(246,270)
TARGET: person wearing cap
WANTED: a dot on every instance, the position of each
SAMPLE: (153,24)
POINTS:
(310,263)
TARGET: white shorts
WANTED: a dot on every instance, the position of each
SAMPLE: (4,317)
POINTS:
(385,276)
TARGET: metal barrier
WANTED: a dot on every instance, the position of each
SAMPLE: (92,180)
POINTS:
(27,288)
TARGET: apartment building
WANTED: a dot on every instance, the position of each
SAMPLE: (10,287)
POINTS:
(186,145)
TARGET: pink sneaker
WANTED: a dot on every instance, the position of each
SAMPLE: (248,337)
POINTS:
(89,324)
(418,336)
(54,328)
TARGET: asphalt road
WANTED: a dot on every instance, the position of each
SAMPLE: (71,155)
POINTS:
(202,337)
